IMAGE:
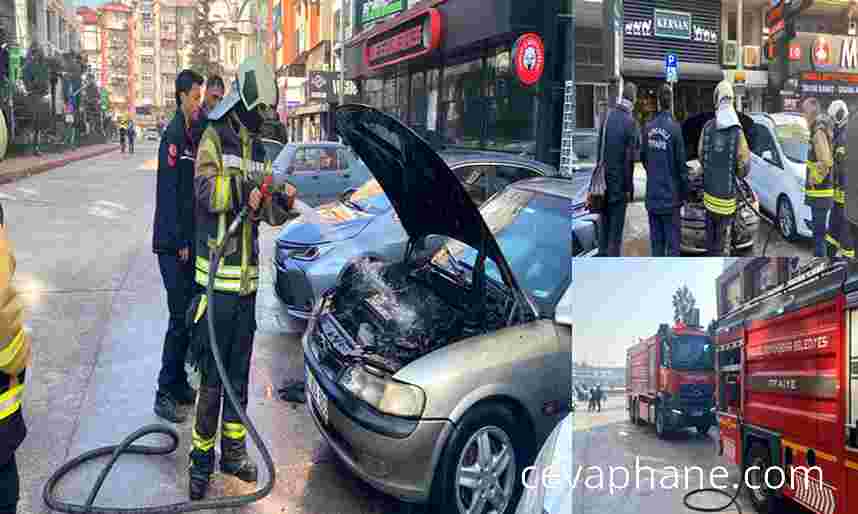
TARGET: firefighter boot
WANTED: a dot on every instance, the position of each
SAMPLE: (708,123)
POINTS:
(234,459)
(199,473)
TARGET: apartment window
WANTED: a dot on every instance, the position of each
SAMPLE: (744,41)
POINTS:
(233,54)
(147,27)
(147,77)
(147,59)
(147,43)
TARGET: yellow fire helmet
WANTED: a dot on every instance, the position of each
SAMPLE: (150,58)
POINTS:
(255,87)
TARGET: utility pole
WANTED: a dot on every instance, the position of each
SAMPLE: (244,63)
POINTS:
(342,50)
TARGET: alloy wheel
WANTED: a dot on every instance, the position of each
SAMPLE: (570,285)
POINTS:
(486,473)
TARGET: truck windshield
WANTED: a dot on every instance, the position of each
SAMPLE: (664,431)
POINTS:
(692,352)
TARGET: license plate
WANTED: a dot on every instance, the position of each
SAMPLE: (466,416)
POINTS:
(317,396)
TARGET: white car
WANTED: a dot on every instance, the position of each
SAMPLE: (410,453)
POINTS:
(779,146)
(548,487)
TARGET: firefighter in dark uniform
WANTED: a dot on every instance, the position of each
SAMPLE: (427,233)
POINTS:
(839,235)
(663,156)
(819,187)
(173,243)
(14,359)
(229,157)
(724,156)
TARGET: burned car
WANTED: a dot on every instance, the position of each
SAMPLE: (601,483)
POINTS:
(435,378)
(693,213)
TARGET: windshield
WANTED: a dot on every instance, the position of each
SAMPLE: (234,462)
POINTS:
(794,138)
(539,259)
(369,197)
(691,353)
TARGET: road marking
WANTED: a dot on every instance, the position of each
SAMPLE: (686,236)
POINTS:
(112,204)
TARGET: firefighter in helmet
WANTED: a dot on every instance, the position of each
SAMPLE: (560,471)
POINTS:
(724,155)
(819,188)
(839,235)
(230,153)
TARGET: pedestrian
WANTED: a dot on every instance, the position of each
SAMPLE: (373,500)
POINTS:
(663,156)
(230,144)
(724,155)
(599,397)
(132,134)
(15,353)
(819,188)
(592,399)
(173,242)
(123,133)
(622,137)
(839,235)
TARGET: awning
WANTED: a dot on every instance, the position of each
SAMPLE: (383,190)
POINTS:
(651,68)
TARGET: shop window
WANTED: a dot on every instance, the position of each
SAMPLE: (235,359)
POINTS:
(510,108)
(389,98)
(373,92)
(417,109)
(463,106)
(402,90)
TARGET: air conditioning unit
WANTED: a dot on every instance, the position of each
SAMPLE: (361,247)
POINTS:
(730,53)
(751,56)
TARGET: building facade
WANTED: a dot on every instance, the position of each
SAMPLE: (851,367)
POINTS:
(449,67)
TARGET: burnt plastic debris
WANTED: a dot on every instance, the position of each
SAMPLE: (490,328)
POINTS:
(394,316)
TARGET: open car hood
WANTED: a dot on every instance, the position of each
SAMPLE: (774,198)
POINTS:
(693,127)
(427,197)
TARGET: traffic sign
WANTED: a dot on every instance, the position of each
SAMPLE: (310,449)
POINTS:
(670,61)
(672,75)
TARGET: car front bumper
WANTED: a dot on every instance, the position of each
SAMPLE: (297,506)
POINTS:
(693,231)
(401,467)
(294,287)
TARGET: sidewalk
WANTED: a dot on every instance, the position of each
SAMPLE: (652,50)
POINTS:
(25,166)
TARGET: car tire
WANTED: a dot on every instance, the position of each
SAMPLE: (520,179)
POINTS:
(786,219)
(660,428)
(703,428)
(495,420)
(633,412)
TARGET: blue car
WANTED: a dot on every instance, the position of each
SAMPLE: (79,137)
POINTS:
(313,248)
(321,170)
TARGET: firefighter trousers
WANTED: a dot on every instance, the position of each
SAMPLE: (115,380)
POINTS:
(719,234)
(235,324)
(9,486)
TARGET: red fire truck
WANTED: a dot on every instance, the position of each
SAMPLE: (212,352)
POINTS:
(670,380)
(787,390)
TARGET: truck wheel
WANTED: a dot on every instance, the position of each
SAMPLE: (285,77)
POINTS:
(633,411)
(703,428)
(762,497)
(660,429)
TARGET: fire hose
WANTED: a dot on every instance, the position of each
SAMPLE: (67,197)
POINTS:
(721,508)
(127,445)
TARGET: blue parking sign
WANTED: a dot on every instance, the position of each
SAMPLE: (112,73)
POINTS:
(670,61)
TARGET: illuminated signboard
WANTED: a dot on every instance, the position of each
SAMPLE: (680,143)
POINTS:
(412,38)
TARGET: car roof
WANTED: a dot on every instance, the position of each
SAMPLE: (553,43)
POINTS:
(455,157)
(553,186)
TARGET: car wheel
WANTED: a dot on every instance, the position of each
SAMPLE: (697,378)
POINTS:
(633,413)
(482,461)
(703,428)
(786,219)
(660,429)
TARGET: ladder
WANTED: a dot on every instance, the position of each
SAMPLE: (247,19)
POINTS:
(568,129)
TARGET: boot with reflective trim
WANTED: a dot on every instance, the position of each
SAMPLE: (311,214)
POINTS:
(234,459)
(200,472)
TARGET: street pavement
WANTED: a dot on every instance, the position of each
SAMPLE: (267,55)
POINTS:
(97,311)
(636,232)
(606,440)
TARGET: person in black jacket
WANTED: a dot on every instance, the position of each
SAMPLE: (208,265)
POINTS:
(173,243)
(622,137)
(663,156)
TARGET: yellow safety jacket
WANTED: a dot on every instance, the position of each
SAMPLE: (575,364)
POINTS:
(819,188)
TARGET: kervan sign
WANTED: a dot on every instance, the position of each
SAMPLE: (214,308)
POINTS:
(672,24)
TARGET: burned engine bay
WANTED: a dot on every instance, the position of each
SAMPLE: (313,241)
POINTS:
(395,313)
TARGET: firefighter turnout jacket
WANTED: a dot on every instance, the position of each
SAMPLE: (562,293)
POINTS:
(819,188)
(724,155)
(14,355)
(839,233)
(174,210)
(227,156)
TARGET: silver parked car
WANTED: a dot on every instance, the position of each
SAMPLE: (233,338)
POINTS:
(437,378)
(313,249)
(548,488)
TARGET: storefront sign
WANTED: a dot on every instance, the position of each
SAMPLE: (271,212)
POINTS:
(644,28)
(529,58)
(672,24)
(371,10)
(812,52)
(841,84)
(413,38)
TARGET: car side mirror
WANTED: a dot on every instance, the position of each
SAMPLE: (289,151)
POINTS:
(342,197)
(768,156)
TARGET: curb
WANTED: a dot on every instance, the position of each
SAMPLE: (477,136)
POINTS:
(13,176)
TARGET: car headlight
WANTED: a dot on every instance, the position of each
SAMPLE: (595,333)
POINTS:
(386,395)
(309,253)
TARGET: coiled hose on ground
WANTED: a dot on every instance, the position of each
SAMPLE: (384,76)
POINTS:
(127,446)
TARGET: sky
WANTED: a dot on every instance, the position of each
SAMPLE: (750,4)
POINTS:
(616,301)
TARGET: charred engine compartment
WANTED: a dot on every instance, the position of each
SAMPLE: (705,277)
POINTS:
(395,313)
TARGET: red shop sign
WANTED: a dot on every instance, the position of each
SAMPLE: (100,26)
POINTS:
(412,38)
(528,55)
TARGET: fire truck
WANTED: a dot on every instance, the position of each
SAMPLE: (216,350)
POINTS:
(670,380)
(787,390)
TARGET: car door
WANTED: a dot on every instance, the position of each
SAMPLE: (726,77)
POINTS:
(766,173)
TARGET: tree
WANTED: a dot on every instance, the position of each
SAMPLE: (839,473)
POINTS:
(204,42)
(683,305)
